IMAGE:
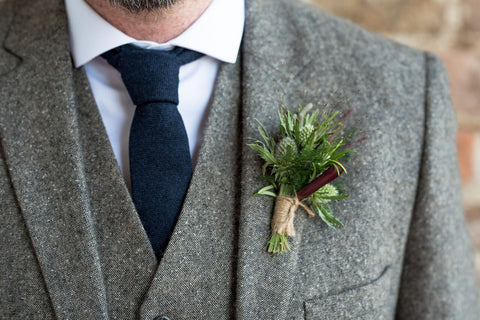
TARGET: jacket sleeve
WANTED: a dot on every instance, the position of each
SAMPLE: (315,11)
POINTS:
(438,280)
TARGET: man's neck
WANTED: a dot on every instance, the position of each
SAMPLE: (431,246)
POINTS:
(159,25)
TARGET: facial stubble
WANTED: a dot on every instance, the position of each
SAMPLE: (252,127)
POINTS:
(144,5)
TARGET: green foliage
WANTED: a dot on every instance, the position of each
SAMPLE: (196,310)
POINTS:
(319,200)
(308,144)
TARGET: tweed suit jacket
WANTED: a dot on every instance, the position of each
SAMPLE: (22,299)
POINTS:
(73,247)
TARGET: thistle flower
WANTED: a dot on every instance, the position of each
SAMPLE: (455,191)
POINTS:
(324,194)
(305,134)
(285,146)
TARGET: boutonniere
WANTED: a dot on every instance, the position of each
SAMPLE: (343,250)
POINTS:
(300,166)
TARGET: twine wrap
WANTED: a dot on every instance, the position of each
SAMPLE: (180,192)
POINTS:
(284,213)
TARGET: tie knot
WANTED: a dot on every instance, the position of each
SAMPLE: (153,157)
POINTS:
(150,75)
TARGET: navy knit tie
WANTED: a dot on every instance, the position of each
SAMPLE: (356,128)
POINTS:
(160,164)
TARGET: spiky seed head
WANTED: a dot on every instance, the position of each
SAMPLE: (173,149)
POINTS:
(285,145)
(327,190)
(305,134)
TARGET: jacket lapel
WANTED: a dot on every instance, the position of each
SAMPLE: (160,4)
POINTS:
(40,139)
(265,281)
(86,234)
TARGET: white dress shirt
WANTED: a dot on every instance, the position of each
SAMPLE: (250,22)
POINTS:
(217,34)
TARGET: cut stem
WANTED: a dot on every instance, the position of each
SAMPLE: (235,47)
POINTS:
(278,243)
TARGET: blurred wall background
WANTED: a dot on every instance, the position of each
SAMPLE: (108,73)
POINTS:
(451,29)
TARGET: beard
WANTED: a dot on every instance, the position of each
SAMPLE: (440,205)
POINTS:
(144,5)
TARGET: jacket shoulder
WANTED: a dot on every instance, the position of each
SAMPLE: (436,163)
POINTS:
(326,33)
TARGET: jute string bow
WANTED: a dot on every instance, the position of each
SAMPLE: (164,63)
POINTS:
(286,207)
(284,213)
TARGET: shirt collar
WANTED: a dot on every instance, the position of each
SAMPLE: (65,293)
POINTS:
(217,33)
